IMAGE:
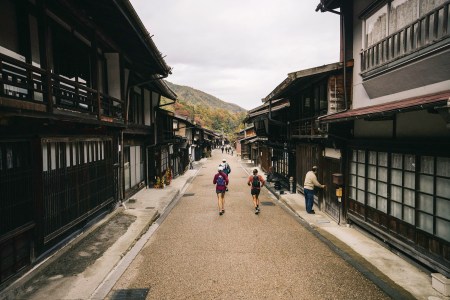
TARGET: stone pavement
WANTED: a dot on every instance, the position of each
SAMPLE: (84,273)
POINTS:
(99,268)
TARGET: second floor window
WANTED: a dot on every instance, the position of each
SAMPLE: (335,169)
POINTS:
(395,16)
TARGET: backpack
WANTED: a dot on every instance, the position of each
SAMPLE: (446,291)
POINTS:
(220,181)
(256,183)
(226,168)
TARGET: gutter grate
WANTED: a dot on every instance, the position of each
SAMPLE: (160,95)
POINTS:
(267,203)
(130,294)
(188,194)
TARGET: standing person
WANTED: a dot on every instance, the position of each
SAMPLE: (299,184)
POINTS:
(308,188)
(222,149)
(256,182)
(221,182)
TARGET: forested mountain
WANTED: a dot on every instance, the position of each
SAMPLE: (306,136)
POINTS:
(196,97)
(207,110)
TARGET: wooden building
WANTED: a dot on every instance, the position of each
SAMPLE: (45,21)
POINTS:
(397,146)
(184,129)
(244,141)
(79,85)
(308,95)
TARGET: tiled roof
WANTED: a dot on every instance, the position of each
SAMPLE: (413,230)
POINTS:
(389,108)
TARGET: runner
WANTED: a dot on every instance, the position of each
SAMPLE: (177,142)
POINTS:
(221,182)
(256,182)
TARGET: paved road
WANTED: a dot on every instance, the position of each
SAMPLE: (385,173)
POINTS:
(197,254)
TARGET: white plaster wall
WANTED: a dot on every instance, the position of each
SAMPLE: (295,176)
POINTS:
(360,97)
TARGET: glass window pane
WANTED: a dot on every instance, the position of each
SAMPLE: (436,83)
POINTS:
(382,174)
(397,161)
(74,154)
(426,184)
(425,222)
(352,193)
(353,168)
(427,164)
(376,28)
(382,189)
(44,157)
(52,156)
(361,156)
(372,186)
(409,197)
(361,170)
(360,196)
(372,172)
(443,187)
(396,193)
(352,180)
(68,150)
(396,210)
(402,13)
(429,5)
(354,155)
(361,183)
(396,177)
(372,157)
(443,166)
(409,180)
(443,229)
(372,200)
(408,215)
(410,163)
(382,204)
(382,159)
(426,203)
(443,208)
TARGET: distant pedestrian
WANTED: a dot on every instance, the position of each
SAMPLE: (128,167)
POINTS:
(226,168)
(221,182)
(256,182)
(308,188)
(222,149)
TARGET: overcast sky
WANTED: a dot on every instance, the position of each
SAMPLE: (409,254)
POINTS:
(239,50)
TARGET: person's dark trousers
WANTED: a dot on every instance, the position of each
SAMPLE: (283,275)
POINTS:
(309,199)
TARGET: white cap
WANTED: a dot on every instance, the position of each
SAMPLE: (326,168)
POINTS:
(224,159)
(220,168)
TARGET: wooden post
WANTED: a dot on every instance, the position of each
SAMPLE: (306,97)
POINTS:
(44,50)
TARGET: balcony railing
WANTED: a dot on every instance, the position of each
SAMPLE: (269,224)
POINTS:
(428,30)
(308,128)
(25,82)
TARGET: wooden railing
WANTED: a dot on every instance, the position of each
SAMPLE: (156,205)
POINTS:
(307,127)
(25,82)
(428,30)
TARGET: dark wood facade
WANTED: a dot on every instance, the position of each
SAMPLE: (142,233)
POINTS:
(297,141)
(395,141)
(67,117)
